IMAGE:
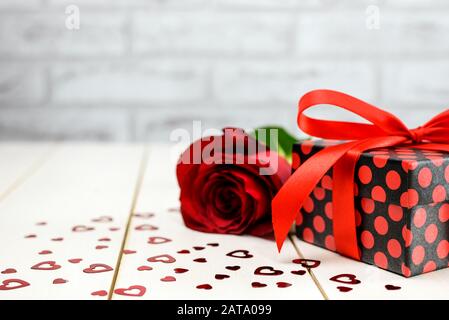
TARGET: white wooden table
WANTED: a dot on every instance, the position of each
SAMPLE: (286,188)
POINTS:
(100,221)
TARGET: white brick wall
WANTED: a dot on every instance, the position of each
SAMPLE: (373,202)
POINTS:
(137,69)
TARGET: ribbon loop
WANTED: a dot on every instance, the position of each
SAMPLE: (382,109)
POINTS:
(384,130)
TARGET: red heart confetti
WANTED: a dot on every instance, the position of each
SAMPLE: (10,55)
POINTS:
(98,268)
(45,252)
(82,228)
(200,260)
(12,284)
(103,219)
(164,258)
(344,289)
(128,251)
(46,265)
(9,271)
(283,284)
(104,239)
(168,279)
(199,248)
(144,215)
(114,229)
(346,278)
(75,260)
(60,281)
(267,271)
(184,251)
(221,276)
(243,254)
(299,272)
(146,227)
(100,293)
(258,285)
(101,247)
(204,286)
(30,236)
(233,268)
(213,244)
(180,270)
(392,287)
(158,240)
(57,239)
(307,263)
(144,268)
(132,291)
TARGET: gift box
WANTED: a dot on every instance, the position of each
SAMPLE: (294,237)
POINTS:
(401,207)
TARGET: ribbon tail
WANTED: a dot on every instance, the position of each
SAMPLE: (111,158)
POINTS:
(290,198)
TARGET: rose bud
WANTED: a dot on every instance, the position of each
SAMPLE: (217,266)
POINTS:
(227,183)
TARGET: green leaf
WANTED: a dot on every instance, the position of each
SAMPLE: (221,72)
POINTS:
(283,144)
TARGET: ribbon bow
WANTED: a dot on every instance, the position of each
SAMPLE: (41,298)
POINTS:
(384,130)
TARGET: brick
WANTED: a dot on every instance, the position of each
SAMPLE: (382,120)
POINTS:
(212,33)
(284,82)
(121,82)
(63,124)
(45,34)
(156,124)
(21,84)
(345,34)
(422,85)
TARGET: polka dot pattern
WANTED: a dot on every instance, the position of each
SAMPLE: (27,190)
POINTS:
(402,208)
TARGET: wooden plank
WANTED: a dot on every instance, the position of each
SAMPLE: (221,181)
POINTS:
(18,161)
(75,207)
(373,280)
(157,219)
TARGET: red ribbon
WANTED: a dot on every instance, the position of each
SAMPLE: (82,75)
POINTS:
(383,130)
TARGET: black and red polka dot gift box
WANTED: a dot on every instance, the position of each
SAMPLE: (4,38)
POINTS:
(402,208)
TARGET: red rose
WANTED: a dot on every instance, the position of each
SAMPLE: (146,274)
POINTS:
(224,185)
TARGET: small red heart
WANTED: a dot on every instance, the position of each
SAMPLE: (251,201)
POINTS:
(98,268)
(307,263)
(104,239)
(180,270)
(60,281)
(258,285)
(144,215)
(221,276)
(392,287)
(11,284)
(43,223)
(128,251)
(299,272)
(29,236)
(168,279)
(346,278)
(184,251)
(199,248)
(82,228)
(233,268)
(103,219)
(9,271)
(114,229)
(57,239)
(283,284)
(204,286)
(101,247)
(243,254)
(146,227)
(132,291)
(46,265)
(158,240)
(200,260)
(267,271)
(213,244)
(76,260)
(100,293)
(164,258)
(144,268)
(344,289)
(45,252)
